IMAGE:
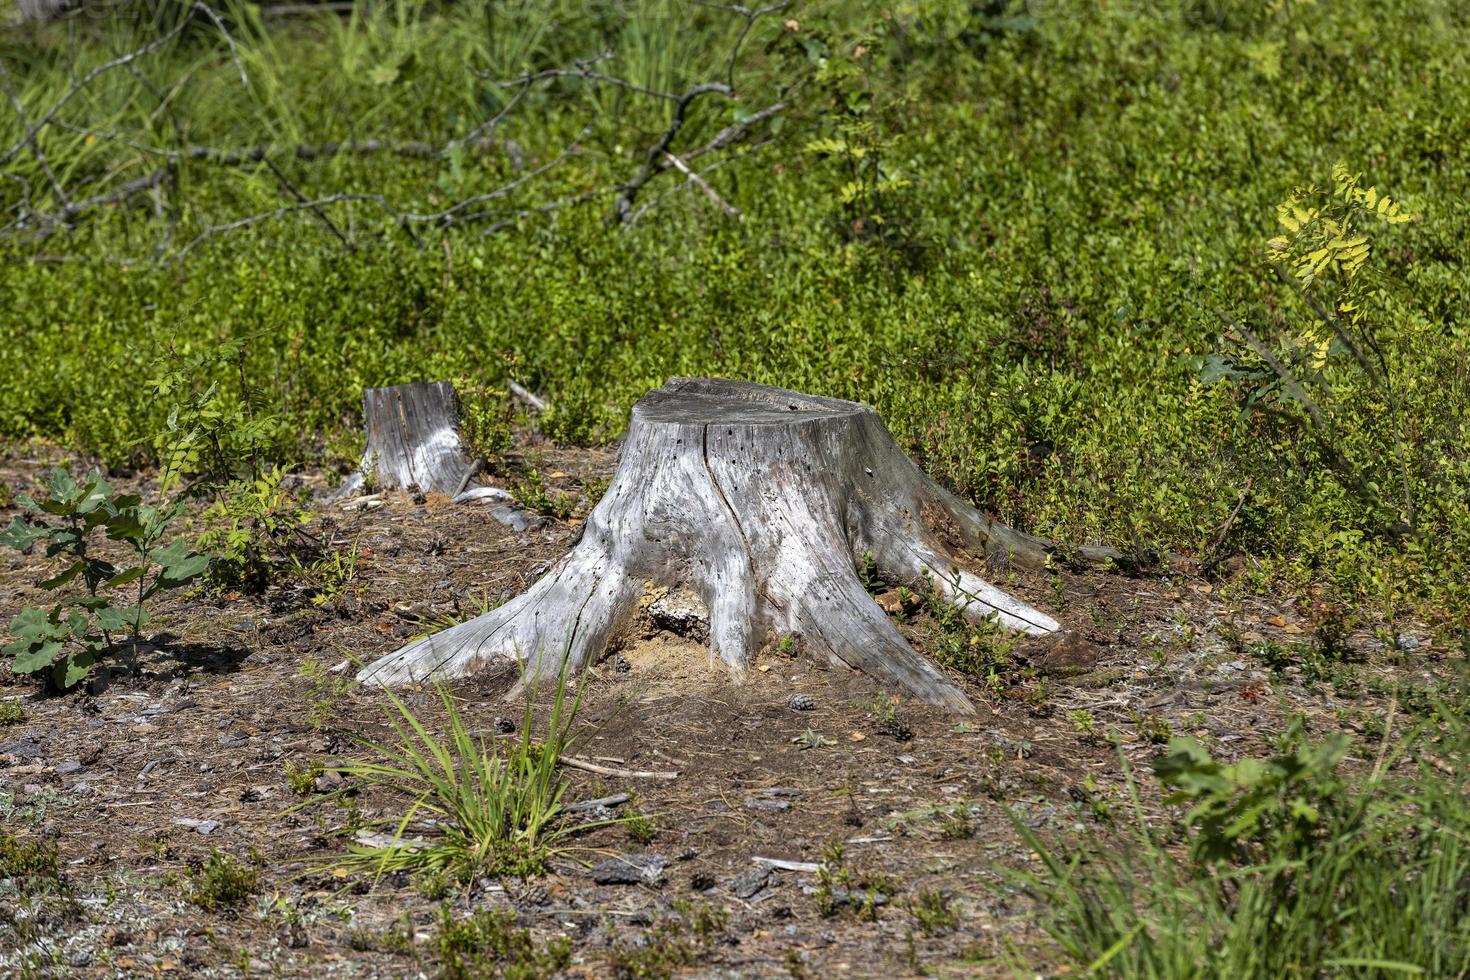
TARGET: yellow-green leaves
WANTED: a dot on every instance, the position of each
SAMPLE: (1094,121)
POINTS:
(1327,230)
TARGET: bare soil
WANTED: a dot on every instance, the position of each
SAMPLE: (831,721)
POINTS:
(140,780)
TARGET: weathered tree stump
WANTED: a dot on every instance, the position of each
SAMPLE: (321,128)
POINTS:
(763,502)
(413,442)
(412,439)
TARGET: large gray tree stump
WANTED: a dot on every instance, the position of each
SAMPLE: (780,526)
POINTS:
(763,502)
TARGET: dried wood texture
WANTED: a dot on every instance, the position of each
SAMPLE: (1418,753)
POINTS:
(413,439)
(764,502)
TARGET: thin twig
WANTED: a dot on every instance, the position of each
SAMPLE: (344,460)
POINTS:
(302,198)
(751,16)
(525,395)
(703,185)
(653,162)
(451,214)
(278,213)
(85,80)
(574,762)
(1229,522)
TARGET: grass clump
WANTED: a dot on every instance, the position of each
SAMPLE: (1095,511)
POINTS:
(496,805)
(640,826)
(839,886)
(398,942)
(324,692)
(302,778)
(224,881)
(27,860)
(11,713)
(935,913)
(1364,876)
(676,943)
(488,944)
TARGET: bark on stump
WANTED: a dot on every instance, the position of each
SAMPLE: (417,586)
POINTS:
(764,502)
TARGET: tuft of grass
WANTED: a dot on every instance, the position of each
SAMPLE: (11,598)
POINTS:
(496,805)
(1368,877)
(677,942)
(302,779)
(488,944)
(431,885)
(398,942)
(225,881)
(324,692)
(11,713)
(839,886)
(640,826)
(935,912)
(27,859)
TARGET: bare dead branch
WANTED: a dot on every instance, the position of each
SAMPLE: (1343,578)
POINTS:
(224,32)
(117,195)
(702,184)
(583,70)
(653,162)
(751,16)
(301,198)
(30,137)
(278,213)
(652,202)
(77,86)
(736,131)
(525,396)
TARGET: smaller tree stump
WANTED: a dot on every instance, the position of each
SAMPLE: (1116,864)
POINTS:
(765,503)
(412,439)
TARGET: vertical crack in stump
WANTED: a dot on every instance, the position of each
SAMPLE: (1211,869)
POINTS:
(750,559)
(761,500)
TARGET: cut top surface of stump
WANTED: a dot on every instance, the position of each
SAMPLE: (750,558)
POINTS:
(704,401)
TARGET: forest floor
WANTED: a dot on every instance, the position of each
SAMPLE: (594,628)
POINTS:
(138,780)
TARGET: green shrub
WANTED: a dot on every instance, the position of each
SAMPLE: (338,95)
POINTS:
(530,490)
(224,881)
(63,642)
(1363,874)
(255,526)
(488,944)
